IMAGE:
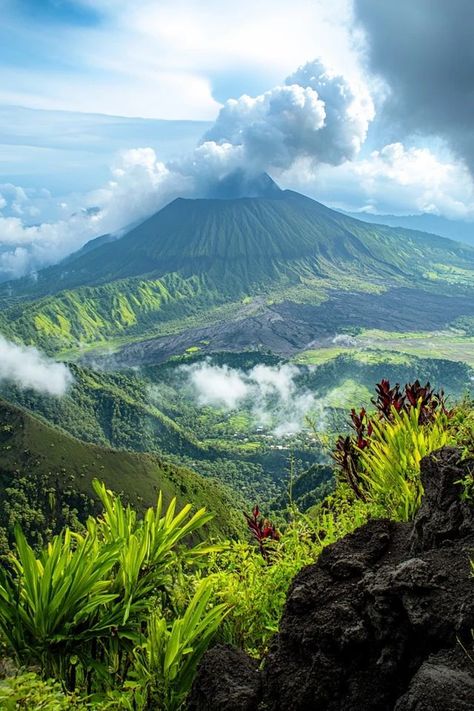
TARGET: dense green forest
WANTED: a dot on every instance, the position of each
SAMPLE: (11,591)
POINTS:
(152,410)
(116,612)
(46,480)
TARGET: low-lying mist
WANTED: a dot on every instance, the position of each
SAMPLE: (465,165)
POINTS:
(272,395)
(28,368)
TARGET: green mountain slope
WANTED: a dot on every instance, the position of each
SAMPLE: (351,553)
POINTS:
(34,450)
(195,257)
(249,240)
(155,410)
(130,412)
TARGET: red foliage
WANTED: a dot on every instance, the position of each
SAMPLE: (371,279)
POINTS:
(262,530)
(388,401)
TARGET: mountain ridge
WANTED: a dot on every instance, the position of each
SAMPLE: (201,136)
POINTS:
(196,256)
(284,225)
(33,447)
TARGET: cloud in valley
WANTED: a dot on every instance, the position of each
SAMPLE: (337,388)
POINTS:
(271,393)
(27,368)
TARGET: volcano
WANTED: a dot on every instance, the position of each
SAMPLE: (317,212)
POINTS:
(198,255)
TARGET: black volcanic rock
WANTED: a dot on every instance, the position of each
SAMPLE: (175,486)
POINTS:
(442,517)
(382,622)
(444,681)
(239,685)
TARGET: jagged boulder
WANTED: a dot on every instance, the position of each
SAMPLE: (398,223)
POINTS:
(382,622)
(444,681)
(238,681)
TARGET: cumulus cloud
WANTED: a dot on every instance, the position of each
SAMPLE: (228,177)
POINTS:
(395,179)
(27,368)
(271,393)
(26,248)
(425,53)
(140,184)
(314,115)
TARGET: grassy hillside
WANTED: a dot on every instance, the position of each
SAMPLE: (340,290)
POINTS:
(194,256)
(61,465)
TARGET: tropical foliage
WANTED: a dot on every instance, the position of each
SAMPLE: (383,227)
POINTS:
(380,461)
(118,615)
(82,608)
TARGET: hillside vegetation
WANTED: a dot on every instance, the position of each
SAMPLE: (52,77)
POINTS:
(154,410)
(195,256)
(46,479)
(141,609)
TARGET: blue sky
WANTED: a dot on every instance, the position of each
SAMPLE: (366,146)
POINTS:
(104,101)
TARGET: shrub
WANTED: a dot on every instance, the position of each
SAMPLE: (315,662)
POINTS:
(165,663)
(29,691)
(380,462)
(80,608)
(390,465)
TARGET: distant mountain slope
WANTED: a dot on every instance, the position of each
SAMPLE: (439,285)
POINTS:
(196,256)
(250,240)
(459,230)
(126,411)
(31,447)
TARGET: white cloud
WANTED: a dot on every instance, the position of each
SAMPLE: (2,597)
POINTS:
(270,393)
(177,95)
(395,179)
(27,368)
(25,248)
(165,60)
(218,386)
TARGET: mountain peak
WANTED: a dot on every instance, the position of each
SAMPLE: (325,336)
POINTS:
(240,184)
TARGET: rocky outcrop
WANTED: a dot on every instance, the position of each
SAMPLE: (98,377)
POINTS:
(382,622)
(238,681)
(444,681)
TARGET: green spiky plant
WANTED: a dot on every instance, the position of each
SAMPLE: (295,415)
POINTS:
(380,461)
(79,609)
(165,663)
(390,465)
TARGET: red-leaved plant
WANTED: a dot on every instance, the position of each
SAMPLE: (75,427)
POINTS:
(262,530)
(389,400)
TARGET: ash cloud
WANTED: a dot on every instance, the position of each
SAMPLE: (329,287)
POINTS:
(425,53)
(270,393)
(27,368)
(313,115)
